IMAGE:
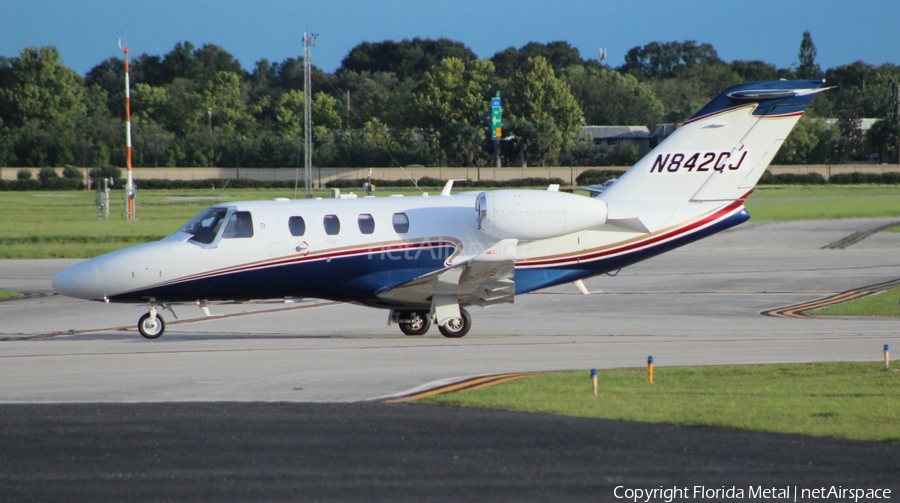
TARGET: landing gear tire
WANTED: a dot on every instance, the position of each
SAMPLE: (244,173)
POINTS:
(418,324)
(457,327)
(151,328)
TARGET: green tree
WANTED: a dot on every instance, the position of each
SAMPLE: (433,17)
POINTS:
(378,95)
(407,59)
(807,138)
(149,103)
(852,143)
(559,54)
(754,71)
(808,68)
(289,113)
(536,95)
(325,114)
(663,59)
(47,174)
(100,155)
(624,154)
(884,138)
(859,86)
(222,93)
(537,143)
(583,152)
(608,97)
(463,144)
(710,79)
(40,87)
(453,92)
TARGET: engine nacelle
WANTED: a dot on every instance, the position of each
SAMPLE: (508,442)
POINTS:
(536,214)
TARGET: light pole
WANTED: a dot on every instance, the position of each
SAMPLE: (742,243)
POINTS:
(210,138)
(239,157)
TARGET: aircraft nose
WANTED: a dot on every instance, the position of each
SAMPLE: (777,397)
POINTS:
(79,281)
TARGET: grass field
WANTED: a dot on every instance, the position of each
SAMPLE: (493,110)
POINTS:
(38,225)
(886,303)
(789,202)
(845,400)
(64,224)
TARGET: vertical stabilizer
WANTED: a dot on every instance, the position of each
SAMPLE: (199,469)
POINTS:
(723,150)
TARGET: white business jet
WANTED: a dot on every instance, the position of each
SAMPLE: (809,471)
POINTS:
(428,258)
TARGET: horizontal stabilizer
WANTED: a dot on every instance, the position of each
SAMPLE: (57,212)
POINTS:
(627,222)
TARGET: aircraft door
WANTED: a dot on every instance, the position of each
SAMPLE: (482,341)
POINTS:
(271,234)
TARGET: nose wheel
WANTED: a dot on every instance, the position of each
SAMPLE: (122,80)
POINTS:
(151,325)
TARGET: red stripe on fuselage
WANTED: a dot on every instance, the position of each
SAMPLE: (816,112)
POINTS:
(307,258)
(712,218)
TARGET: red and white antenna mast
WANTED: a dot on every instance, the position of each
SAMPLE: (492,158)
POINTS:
(129,181)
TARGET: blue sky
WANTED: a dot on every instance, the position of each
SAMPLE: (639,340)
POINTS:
(86,31)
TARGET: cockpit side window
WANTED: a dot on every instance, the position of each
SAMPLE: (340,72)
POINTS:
(240,225)
(204,227)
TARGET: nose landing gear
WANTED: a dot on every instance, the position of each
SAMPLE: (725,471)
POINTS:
(151,325)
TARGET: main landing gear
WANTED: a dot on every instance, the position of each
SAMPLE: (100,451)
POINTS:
(418,323)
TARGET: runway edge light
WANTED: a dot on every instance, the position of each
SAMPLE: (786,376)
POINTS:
(887,356)
(594,381)
(650,369)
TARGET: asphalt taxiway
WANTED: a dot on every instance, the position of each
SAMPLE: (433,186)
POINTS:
(375,452)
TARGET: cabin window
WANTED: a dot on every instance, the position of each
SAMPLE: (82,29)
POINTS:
(401,223)
(297,226)
(366,223)
(332,225)
(240,225)
(204,227)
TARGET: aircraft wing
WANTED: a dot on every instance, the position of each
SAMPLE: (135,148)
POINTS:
(483,280)
(594,190)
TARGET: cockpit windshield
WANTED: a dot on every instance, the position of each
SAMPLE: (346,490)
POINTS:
(205,226)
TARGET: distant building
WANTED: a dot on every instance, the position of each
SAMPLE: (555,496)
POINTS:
(864,124)
(661,132)
(611,136)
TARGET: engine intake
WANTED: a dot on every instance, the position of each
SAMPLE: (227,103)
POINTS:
(536,214)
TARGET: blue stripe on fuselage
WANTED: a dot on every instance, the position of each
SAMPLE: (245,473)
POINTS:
(531,279)
(355,278)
